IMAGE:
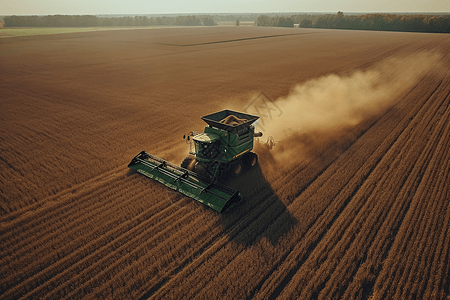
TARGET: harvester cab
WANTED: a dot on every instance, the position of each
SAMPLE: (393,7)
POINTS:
(223,149)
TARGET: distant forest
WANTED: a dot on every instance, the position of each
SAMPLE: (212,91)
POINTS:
(384,22)
(92,21)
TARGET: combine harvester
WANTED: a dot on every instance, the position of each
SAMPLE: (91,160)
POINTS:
(224,148)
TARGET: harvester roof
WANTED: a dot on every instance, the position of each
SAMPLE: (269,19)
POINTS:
(229,120)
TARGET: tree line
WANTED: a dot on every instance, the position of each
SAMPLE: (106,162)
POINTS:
(90,21)
(384,22)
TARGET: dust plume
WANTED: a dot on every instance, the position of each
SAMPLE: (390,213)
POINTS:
(323,108)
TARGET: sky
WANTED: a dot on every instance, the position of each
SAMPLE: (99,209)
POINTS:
(83,7)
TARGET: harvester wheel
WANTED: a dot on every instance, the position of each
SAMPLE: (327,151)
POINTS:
(251,159)
(237,168)
(188,163)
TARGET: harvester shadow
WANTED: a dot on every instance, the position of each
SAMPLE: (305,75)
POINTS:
(260,215)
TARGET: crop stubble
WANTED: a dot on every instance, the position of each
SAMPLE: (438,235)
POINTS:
(365,215)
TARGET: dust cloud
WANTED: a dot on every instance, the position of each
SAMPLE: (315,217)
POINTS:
(320,110)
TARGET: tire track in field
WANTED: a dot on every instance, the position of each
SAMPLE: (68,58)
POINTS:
(121,264)
(407,274)
(14,219)
(242,263)
(77,255)
(217,256)
(356,175)
(218,242)
(319,175)
(357,179)
(247,219)
(237,40)
(213,263)
(211,287)
(400,205)
(392,153)
(175,253)
(17,237)
(194,280)
(41,232)
(11,226)
(303,179)
(64,215)
(111,254)
(385,238)
(219,261)
(402,133)
(417,222)
(97,232)
(438,284)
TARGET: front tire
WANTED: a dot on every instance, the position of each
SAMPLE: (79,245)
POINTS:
(237,168)
(188,163)
(251,159)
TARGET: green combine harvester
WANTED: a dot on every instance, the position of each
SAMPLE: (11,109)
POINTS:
(223,149)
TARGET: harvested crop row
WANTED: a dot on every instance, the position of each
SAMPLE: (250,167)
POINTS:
(394,212)
(349,215)
(171,254)
(57,219)
(70,252)
(117,252)
(385,134)
(12,223)
(85,254)
(423,224)
(349,220)
(220,255)
(94,213)
(225,272)
(255,229)
(326,267)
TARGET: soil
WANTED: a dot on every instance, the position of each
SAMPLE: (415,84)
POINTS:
(362,212)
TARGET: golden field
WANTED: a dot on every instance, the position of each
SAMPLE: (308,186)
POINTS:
(358,209)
